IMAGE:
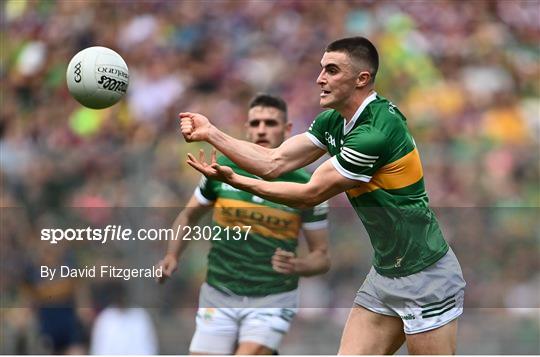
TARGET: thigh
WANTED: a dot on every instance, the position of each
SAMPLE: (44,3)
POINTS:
(253,348)
(441,340)
(216,331)
(428,299)
(262,329)
(367,332)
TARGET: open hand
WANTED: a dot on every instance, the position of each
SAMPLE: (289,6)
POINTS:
(211,170)
(194,126)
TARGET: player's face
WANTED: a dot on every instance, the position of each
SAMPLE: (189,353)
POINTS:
(338,80)
(266,126)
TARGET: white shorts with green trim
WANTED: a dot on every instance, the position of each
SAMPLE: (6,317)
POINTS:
(225,320)
(425,300)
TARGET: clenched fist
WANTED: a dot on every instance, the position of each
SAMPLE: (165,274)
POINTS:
(284,262)
(169,264)
(194,126)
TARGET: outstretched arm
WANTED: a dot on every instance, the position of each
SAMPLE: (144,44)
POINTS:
(325,183)
(294,153)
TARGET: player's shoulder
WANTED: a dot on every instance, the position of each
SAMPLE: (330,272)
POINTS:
(379,101)
(381,117)
(326,118)
(380,107)
(324,121)
(384,112)
(367,137)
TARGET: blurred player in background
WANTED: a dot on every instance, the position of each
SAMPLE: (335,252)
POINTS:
(121,329)
(56,302)
(251,291)
(414,291)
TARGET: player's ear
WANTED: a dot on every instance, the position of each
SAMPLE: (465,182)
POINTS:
(363,79)
(288,129)
(246,131)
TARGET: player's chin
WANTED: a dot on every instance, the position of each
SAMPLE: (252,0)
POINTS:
(325,102)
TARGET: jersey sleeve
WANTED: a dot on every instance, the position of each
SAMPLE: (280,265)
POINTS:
(316,217)
(317,130)
(205,193)
(362,153)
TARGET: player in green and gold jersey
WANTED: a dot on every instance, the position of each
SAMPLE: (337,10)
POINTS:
(414,292)
(251,289)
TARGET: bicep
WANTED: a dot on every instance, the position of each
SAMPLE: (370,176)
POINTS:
(317,239)
(326,182)
(296,152)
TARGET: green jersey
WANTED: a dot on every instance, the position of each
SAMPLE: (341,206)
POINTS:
(376,149)
(244,266)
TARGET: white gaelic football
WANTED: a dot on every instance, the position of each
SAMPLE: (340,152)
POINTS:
(97,77)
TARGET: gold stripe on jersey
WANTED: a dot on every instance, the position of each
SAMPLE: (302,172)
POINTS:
(266,221)
(398,174)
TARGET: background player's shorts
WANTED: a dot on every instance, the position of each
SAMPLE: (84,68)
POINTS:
(425,300)
(223,320)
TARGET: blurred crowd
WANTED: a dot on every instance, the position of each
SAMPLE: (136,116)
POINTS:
(465,73)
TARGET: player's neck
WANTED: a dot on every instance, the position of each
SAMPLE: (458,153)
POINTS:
(352,105)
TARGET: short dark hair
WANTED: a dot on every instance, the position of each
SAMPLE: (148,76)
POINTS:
(268,100)
(360,49)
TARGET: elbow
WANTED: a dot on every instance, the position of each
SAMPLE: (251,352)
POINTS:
(326,263)
(275,170)
(270,175)
(323,265)
(273,173)
(325,268)
(304,203)
(311,199)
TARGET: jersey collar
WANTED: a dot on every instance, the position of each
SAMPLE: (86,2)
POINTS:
(348,126)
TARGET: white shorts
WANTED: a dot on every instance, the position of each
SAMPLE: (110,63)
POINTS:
(224,321)
(425,300)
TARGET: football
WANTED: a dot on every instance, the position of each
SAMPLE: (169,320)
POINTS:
(97,77)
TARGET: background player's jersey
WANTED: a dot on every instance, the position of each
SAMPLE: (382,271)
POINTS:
(244,266)
(376,149)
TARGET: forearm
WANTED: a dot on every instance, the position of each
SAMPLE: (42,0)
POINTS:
(295,152)
(176,247)
(316,262)
(251,157)
(189,216)
(287,193)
